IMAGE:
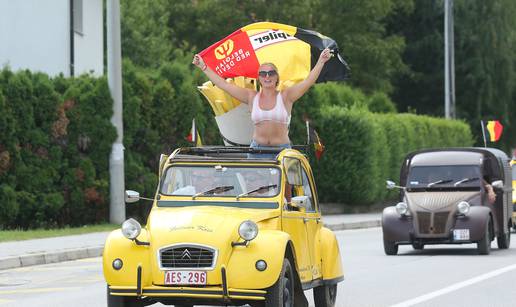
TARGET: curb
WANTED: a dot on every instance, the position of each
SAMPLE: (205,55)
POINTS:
(354,225)
(50,257)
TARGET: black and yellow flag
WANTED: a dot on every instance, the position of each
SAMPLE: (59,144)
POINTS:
(293,50)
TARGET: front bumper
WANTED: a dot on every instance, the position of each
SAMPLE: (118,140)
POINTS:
(208,292)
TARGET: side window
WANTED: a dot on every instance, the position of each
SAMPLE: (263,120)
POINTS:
(307,190)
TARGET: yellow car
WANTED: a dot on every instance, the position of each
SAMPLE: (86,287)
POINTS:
(228,226)
(513,194)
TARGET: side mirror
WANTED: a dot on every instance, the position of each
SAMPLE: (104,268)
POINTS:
(300,202)
(131,196)
(390,184)
(497,184)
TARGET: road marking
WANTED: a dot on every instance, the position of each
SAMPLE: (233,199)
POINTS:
(38,290)
(454,287)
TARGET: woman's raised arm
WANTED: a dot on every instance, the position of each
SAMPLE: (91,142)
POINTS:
(295,92)
(242,94)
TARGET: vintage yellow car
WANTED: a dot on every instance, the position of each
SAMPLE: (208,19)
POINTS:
(228,226)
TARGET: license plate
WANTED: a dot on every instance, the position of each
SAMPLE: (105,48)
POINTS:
(185,278)
(460,234)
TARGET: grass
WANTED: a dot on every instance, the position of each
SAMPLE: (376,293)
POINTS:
(17,235)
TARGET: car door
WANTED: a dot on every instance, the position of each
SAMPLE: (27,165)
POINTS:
(312,223)
(294,221)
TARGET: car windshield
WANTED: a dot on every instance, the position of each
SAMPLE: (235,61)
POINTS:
(444,176)
(218,180)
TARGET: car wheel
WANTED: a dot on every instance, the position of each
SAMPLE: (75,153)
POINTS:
(484,245)
(122,301)
(390,247)
(281,294)
(418,245)
(325,296)
(504,240)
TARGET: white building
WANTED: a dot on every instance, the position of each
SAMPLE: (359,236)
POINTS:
(52,36)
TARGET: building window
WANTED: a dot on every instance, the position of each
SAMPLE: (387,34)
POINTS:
(77,16)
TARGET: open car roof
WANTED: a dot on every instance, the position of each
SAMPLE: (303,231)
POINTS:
(230,153)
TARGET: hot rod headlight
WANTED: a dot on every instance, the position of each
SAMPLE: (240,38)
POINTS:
(463,207)
(131,229)
(248,230)
(402,208)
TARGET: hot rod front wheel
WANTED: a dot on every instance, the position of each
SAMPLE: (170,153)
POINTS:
(390,247)
(281,294)
(325,296)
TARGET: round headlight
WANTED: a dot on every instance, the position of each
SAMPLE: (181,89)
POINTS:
(131,229)
(463,207)
(248,230)
(401,208)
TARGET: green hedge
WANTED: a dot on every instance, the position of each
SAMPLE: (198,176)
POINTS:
(363,149)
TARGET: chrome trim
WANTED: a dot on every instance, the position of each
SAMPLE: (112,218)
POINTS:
(195,245)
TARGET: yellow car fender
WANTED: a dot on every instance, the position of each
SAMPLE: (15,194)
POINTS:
(331,264)
(270,246)
(132,255)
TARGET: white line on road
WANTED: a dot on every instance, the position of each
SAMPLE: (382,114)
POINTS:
(454,287)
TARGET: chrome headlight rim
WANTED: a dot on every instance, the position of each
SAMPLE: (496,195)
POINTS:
(402,208)
(131,229)
(248,230)
(463,207)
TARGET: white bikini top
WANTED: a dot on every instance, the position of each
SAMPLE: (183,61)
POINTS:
(277,114)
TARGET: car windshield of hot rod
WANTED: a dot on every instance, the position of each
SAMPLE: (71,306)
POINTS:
(445,176)
(221,181)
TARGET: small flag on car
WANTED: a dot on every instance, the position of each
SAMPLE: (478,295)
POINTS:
(194,136)
(494,128)
(314,139)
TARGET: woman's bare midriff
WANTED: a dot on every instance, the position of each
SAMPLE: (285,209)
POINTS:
(269,133)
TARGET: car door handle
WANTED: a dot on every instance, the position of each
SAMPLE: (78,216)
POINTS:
(305,220)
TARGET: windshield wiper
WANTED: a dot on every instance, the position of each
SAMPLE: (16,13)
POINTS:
(220,189)
(463,180)
(265,187)
(441,181)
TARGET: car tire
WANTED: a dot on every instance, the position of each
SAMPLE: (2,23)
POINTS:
(484,245)
(504,240)
(390,247)
(281,294)
(122,301)
(325,296)
(418,245)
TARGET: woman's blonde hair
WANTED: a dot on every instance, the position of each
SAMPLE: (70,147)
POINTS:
(273,66)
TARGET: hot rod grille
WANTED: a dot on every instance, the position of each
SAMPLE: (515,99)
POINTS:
(437,226)
(187,257)
(440,219)
(423,219)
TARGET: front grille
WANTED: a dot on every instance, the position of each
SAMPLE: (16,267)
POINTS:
(187,256)
(432,223)
(440,219)
(423,219)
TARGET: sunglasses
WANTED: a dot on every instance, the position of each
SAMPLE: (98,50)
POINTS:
(265,73)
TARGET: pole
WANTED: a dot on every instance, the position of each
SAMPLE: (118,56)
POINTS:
(451,45)
(446,60)
(483,132)
(114,70)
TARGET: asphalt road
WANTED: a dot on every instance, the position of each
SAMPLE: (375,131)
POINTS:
(437,276)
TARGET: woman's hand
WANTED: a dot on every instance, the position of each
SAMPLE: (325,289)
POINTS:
(325,56)
(199,62)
